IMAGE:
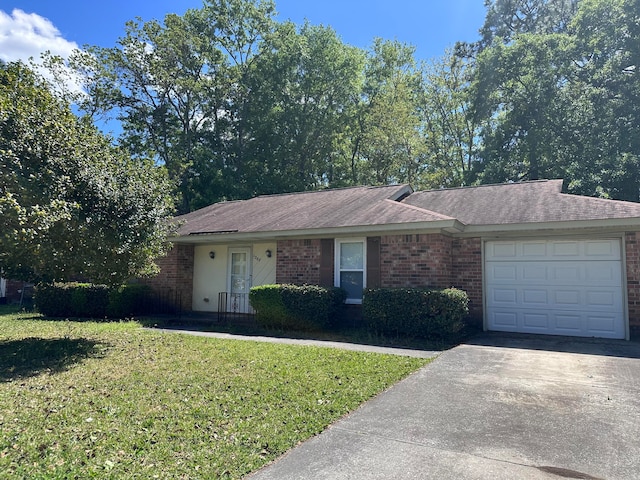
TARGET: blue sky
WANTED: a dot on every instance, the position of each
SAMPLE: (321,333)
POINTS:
(30,26)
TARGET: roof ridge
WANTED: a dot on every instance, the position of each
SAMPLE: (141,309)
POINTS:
(420,209)
(322,190)
(469,187)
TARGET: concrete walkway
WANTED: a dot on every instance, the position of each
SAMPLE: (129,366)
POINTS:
(407,352)
(501,407)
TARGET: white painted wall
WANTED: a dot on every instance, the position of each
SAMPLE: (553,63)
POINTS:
(210,275)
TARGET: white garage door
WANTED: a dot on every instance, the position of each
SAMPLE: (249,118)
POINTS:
(558,287)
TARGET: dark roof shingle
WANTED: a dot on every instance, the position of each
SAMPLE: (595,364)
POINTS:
(347,207)
(531,202)
(517,203)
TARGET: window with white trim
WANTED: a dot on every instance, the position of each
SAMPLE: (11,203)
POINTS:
(350,267)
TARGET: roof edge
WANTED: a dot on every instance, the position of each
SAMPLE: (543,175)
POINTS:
(438,226)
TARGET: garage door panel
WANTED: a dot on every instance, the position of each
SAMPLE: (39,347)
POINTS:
(505,273)
(533,249)
(555,273)
(505,297)
(505,321)
(609,273)
(565,249)
(601,323)
(582,324)
(610,298)
(603,249)
(567,298)
(534,297)
(597,249)
(535,321)
(569,323)
(570,298)
(563,287)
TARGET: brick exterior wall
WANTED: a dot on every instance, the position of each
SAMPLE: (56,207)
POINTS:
(466,271)
(298,262)
(174,283)
(415,261)
(632,246)
(425,260)
(13,291)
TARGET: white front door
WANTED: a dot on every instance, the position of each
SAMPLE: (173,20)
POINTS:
(559,287)
(239,280)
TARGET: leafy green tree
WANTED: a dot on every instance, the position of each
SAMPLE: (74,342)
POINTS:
(563,104)
(607,65)
(302,84)
(450,126)
(506,19)
(385,143)
(72,205)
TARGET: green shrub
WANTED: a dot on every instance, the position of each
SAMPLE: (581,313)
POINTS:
(53,300)
(306,307)
(267,302)
(415,312)
(129,300)
(91,301)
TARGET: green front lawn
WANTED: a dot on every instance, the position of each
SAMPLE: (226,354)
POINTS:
(112,400)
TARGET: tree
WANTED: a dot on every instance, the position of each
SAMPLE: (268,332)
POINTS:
(506,19)
(384,142)
(301,87)
(72,204)
(558,97)
(450,127)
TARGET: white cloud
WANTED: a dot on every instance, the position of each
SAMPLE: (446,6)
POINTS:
(25,35)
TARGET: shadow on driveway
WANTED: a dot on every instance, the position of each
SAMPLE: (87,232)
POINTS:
(551,343)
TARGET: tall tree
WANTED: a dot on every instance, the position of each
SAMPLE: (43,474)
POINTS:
(450,126)
(506,19)
(385,143)
(179,90)
(564,104)
(301,85)
(71,203)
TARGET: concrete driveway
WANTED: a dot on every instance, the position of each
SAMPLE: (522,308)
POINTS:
(500,407)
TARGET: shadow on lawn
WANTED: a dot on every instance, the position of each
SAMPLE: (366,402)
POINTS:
(31,356)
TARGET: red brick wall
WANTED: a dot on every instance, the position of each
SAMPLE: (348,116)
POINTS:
(174,283)
(466,271)
(415,261)
(298,262)
(632,244)
(13,290)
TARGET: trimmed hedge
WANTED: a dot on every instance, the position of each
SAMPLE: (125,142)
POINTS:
(415,312)
(91,301)
(306,307)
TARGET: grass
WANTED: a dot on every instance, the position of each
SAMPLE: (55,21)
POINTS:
(113,400)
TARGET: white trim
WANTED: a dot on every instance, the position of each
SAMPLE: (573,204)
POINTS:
(336,264)
(625,287)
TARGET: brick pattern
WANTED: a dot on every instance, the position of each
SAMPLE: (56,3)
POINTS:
(415,261)
(13,290)
(174,283)
(632,245)
(466,271)
(298,262)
